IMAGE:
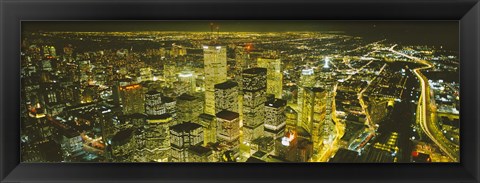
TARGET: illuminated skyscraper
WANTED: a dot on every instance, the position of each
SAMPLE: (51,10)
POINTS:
(275,119)
(123,145)
(106,120)
(242,57)
(153,103)
(254,98)
(157,137)
(226,96)
(215,71)
(209,123)
(200,154)
(228,130)
(177,50)
(328,132)
(132,99)
(170,73)
(274,74)
(170,107)
(188,108)
(182,137)
(291,118)
(307,79)
(242,62)
(37,126)
(188,81)
(314,112)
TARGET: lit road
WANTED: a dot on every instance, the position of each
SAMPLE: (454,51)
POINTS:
(426,124)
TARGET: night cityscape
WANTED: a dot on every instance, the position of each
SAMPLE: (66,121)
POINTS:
(256,92)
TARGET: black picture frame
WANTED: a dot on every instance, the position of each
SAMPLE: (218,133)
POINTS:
(467,12)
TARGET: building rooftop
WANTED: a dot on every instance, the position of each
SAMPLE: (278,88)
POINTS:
(206,116)
(167,99)
(122,137)
(186,97)
(259,154)
(200,150)
(185,127)
(255,70)
(345,156)
(228,115)
(153,92)
(69,133)
(276,103)
(161,116)
(254,160)
(226,85)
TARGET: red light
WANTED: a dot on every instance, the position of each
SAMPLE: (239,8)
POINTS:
(249,47)
(414,153)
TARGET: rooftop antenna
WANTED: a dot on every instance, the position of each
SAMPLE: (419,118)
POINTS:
(211,29)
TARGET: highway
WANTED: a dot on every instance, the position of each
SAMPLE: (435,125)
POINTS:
(427,125)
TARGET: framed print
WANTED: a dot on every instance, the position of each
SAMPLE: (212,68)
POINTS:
(240,91)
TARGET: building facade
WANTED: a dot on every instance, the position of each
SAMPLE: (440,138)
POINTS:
(314,112)
(215,71)
(254,98)
(226,96)
(228,130)
(275,119)
(153,103)
(132,99)
(182,137)
(157,137)
(274,74)
(188,108)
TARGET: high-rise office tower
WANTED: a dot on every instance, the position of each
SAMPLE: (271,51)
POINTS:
(37,125)
(132,99)
(200,154)
(106,116)
(187,80)
(188,108)
(215,71)
(328,132)
(182,137)
(291,119)
(314,111)
(274,74)
(254,98)
(307,79)
(157,137)
(170,107)
(275,119)
(209,123)
(242,61)
(170,70)
(177,50)
(228,130)
(226,96)
(242,57)
(123,145)
(153,103)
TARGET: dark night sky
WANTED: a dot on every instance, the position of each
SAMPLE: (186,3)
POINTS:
(435,33)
